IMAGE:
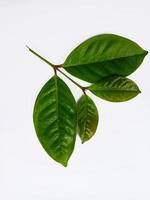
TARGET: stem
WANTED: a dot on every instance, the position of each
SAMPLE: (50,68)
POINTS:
(55,71)
(81,87)
(46,61)
(55,67)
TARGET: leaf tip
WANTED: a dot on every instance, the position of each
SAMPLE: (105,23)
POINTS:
(140,91)
(146,52)
(83,141)
(64,163)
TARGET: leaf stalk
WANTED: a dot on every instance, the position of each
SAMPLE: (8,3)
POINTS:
(56,68)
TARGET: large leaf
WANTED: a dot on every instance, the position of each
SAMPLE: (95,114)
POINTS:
(104,55)
(55,119)
(87,118)
(115,89)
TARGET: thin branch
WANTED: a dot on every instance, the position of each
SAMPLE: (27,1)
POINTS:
(81,87)
(56,68)
(46,61)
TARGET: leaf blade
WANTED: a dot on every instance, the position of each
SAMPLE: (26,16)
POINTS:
(115,89)
(87,118)
(104,55)
(55,119)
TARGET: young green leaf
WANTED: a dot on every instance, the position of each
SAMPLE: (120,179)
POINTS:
(104,55)
(55,119)
(115,89)
(87,118)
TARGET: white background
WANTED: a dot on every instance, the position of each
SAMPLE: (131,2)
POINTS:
(115,164)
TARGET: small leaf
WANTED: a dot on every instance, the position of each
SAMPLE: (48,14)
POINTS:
(104,55)
(87,118)
(55,119)
(115,89)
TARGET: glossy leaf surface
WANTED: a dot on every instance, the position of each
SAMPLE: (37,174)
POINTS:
(55,119)
(104,55)
(87,118)
(115,89)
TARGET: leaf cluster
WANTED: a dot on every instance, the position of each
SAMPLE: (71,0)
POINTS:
(105,61)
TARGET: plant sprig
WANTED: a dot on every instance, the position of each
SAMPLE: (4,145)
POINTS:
(103,60)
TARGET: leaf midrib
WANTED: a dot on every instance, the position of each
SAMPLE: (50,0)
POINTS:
(115,89)
(85,124)
(57,111)
(103,61)
(84,130)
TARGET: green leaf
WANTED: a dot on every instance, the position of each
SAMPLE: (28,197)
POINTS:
(115,89)
(55,119)
(87,118)
(104,55)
